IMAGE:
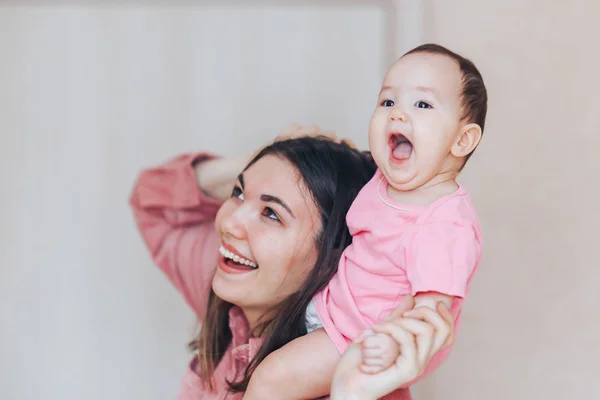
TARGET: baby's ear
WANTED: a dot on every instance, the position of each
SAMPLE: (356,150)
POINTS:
(468,139)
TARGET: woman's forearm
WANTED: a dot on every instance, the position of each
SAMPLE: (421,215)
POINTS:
(216,176)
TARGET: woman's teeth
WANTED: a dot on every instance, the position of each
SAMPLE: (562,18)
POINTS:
(227,254)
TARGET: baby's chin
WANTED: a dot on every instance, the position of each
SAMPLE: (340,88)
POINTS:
(398,175)
(401,179)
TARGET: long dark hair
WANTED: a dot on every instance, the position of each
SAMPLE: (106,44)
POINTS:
(333,173)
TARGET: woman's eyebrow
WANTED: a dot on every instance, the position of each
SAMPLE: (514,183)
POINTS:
(272,199)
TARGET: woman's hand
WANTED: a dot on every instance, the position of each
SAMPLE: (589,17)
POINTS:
(420,334)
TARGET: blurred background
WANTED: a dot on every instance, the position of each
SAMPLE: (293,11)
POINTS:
(93,91)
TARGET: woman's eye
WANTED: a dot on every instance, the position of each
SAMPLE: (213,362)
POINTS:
(387,103)
(422,104)
(237,192)
(269,213)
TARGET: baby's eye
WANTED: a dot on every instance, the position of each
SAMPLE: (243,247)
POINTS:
(237,193)
(269,213)
(422,104)
(387,103)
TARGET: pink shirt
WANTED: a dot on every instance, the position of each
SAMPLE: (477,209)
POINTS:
(176,221)
(399,252)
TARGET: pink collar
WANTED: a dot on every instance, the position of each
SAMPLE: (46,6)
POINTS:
(244,347)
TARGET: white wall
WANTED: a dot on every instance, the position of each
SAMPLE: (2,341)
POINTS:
(91,94)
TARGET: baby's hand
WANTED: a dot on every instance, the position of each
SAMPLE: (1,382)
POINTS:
(379,352)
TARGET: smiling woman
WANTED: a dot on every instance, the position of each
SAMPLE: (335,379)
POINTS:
(279,234)
(272,223)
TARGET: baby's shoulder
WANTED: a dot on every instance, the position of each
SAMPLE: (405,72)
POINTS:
(457,208)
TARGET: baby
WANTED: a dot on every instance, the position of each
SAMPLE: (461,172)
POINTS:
(414,227)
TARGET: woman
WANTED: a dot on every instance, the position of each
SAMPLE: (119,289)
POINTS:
(278,237)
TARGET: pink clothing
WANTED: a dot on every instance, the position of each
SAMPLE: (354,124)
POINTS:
(177,223)
(399,252)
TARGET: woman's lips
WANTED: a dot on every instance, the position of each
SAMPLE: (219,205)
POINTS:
(229,266)
(233,262)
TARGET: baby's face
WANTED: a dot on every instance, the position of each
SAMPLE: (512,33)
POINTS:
(417,120)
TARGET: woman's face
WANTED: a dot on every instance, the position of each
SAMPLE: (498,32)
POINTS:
(267,229)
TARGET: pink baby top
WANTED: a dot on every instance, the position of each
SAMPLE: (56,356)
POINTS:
(399,249)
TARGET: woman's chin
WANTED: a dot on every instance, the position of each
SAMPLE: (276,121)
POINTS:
(231,289)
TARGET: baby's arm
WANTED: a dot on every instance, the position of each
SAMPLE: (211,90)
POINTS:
(379,351)
(302,369)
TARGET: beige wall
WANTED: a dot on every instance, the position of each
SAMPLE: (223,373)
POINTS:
(90,94)
(532,324)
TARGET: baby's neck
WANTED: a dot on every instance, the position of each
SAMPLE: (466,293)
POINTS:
(439,186)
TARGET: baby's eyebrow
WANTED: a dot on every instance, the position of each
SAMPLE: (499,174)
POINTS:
(428,89)
(384,88)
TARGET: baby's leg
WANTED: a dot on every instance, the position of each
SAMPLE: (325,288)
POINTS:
(379,351)
(302,369)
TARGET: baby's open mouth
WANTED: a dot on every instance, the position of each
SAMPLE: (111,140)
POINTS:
(233,260)
(401,148)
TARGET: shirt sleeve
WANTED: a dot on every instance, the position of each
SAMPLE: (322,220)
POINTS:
(176,221)
(442,258)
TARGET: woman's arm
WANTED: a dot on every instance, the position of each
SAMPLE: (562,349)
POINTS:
(174,206)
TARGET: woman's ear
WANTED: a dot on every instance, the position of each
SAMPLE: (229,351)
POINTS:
(468,140)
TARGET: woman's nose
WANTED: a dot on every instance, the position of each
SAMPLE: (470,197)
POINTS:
(235,223)
(396,114)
